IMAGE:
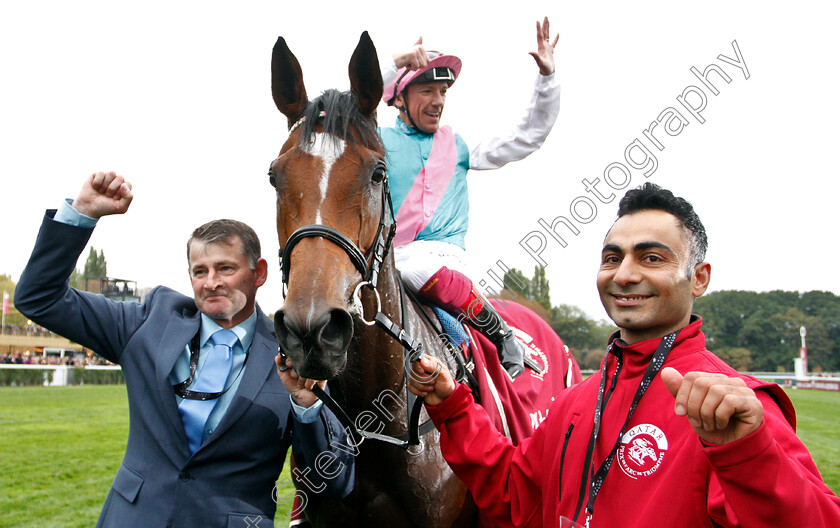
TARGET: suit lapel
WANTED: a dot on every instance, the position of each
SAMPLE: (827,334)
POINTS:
(178,332)
(260,365)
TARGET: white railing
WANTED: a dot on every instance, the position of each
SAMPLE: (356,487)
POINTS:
(787,379)
(792,381)
(62,375)
(791,376)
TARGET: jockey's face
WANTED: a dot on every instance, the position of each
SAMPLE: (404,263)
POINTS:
(425,104)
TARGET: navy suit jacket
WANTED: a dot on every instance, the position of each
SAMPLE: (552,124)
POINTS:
(229,481)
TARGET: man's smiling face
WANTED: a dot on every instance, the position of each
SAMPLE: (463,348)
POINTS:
(425,104)
(224,285)
(644,279)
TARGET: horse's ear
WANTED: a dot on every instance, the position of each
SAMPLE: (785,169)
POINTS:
(365,76)
(287,82)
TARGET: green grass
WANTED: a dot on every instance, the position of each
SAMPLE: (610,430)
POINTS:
(59,450)
(818,426)
(61,446)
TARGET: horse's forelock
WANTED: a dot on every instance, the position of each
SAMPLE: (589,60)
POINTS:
(341,112)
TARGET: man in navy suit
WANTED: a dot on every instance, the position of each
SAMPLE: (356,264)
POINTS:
(196,457)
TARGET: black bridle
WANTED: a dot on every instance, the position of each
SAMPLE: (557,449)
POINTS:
(368,265)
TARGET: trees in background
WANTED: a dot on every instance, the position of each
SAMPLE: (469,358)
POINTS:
(762,329)
(95,266)
(585,337)
(14,317)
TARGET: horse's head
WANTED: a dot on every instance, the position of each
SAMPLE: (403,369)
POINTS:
(330,182)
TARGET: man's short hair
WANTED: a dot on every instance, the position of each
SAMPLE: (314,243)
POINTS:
(651,196)
(222,231)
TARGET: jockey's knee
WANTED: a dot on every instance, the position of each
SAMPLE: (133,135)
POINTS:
(416,276)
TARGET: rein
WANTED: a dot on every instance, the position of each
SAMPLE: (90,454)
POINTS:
(369,267)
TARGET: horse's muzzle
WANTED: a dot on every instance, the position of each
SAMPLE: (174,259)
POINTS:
(316,345)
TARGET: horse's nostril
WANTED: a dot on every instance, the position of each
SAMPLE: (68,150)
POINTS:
(279,325)
(337,330)
(288,338)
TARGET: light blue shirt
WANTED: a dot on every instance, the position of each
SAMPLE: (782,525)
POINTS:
(245,332)
(67,214)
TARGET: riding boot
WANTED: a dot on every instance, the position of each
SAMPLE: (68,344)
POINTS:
(455,292)
(488,321)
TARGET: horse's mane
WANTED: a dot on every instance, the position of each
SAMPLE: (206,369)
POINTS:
(341,112)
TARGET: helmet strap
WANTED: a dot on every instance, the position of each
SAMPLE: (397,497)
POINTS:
(404,109)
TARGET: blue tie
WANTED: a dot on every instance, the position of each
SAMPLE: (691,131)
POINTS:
(211,378)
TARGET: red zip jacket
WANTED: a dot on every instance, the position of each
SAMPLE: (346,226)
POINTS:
(662,474)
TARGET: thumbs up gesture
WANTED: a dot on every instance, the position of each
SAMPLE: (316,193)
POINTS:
(719,408)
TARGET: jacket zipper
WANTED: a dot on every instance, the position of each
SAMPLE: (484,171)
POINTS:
(563,458)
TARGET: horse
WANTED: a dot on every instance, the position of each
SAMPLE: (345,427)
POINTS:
(335,223)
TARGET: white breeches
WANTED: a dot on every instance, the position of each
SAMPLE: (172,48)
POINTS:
(419,260)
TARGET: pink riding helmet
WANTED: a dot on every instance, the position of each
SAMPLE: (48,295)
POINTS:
(437,62)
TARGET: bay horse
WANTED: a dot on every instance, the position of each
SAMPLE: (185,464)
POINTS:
(335,224)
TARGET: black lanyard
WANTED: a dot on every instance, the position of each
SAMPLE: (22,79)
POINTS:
(181,388)
(596,479)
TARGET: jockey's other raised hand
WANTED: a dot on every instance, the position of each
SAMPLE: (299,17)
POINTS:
(412,58)
(430,379)
(545,48)
(104,193)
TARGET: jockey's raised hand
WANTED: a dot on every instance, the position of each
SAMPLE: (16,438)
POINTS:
(104,193)
(413,58)
(545,48)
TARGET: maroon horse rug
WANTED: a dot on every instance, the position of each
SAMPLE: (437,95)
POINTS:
(517,407)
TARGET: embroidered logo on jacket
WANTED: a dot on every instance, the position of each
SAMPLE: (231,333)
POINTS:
(642,450)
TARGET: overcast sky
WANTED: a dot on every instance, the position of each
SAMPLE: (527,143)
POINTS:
(176,97)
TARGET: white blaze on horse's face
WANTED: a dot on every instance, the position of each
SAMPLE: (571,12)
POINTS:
(328,149)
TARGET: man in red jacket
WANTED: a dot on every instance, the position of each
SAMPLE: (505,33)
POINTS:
(666,433)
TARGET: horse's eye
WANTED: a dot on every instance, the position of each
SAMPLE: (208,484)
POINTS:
(271,179)
(378,172)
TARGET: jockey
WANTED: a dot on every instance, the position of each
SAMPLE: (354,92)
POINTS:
(427,168)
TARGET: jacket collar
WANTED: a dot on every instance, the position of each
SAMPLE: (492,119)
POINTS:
(179,330)
(637,356)
(407,129)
